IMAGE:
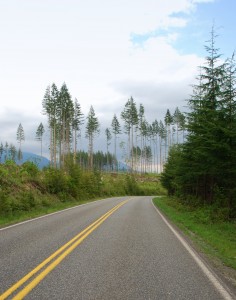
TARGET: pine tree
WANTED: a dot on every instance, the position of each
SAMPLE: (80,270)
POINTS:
(145,134)
(116,130)
(177,121)
(162,137)
(50,107)
(130,117)
(182,125)
(19,155)
(39,137)
(12,152)
(65,113)
(54,124)
(76,125)
(92,128)
(227,122)
(108,139)
(155,130)
(20,136)
(205,138)
(141,119)
(168,121)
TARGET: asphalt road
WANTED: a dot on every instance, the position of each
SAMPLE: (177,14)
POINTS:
(124,253)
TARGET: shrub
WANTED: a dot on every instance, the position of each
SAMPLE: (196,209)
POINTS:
(5,203)
(55,181)
(131,186)
(27,201)
(31,169)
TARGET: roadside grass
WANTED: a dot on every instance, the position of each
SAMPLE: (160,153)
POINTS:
(216,238)
(149,185)
(53,205)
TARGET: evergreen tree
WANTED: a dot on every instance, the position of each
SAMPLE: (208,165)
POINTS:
(141,120)
(155,130)
(145,133)
(205,165)
(76,124)
(182,125)
(39,137)
(115,130)
(12,152)
(162,137)
(65,112)
(130,117)
(204,140)
(92,128)
(50,103)
(54,124)
(19,155)
(227,122)
(108,138)
(177,121)
(20,136)
(168,121)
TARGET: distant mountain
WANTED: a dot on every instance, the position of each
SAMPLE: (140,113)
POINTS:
(41,162)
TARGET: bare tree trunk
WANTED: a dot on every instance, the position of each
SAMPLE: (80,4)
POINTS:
(54,142)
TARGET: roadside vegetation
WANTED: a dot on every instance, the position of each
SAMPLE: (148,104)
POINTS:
(200,174)
(203,169)
(206,226)
(26,191)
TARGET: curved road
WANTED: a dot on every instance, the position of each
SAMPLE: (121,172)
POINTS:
(117,248)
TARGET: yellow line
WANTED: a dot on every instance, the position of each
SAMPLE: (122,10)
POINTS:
(80,237)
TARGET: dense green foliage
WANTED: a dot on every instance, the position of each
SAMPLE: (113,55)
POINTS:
(204,167)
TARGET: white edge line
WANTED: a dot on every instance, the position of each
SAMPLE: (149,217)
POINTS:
(51,214)
(224,293)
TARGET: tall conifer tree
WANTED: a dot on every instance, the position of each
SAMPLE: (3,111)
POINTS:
(116,130)
(92,128)
(20,136)
(39,137)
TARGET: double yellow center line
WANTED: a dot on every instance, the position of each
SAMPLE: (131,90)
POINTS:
(52,261)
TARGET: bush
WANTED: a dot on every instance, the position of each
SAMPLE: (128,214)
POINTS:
(131,186)
(28,200)
(4,175)
(30,168)
(5,203)
(55,181)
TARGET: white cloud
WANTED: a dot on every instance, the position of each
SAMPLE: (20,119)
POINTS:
(88,44)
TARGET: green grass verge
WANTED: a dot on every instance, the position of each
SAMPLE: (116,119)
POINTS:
(216,239)
(53,206)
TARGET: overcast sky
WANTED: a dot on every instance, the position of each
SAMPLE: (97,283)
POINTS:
(105,51)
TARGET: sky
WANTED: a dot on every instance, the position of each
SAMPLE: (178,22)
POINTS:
(105,51)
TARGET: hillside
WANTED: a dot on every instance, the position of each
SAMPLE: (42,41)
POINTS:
(41,162)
